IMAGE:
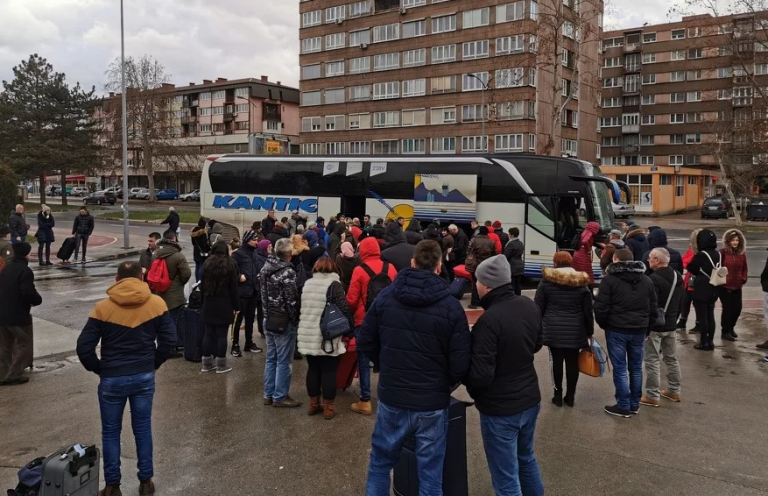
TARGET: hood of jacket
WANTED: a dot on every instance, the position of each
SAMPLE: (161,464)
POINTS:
(197,231)
(339,229)
(414,226)
(694,235)
(129,292)
(393,234)
(565,276)
(432,233)
(657,238)
(619,244)
(311,237)
(631,271)
(592,227)
(419,288)
(217,228)
(369,250)
(706,240)
(166,248)
(728,236)
(636,233)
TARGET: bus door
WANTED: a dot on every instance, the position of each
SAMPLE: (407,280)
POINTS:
(353,206)
(540,233)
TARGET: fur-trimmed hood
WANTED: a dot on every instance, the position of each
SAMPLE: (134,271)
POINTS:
(565,276)
(728,236)
(694,244)
(635,232)
(630,267)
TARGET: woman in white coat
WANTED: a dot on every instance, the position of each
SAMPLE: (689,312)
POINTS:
(321,372)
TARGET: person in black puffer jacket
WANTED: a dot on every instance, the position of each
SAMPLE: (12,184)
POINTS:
(565,301)
(249,290)
(637,243)
(396,250)
(413,233)
(704,294)
(657,238)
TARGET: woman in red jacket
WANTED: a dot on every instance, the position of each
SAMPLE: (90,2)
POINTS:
(582,257)
(685,303)
(735,259)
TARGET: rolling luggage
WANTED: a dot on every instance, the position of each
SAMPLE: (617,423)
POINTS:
(193,328)
(72,471)
(460,286)
(347,369)
(406,478)
(461,271)
(67,249)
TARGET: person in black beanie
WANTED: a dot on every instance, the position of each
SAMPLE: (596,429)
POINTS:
(704,294)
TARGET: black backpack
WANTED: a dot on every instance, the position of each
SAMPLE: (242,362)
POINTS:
(377,283)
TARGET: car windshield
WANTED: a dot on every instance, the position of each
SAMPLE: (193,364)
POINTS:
(713,201)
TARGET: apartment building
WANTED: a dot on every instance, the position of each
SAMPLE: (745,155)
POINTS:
(221,116)
(678,96)
(445,76)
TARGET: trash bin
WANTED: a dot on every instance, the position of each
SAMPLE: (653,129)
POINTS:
(757,212)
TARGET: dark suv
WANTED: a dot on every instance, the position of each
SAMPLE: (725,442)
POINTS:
(716,207)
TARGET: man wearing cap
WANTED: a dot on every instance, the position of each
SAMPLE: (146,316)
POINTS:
(614,243)
(17,296)
(249,265)
(503,381)
(503,237)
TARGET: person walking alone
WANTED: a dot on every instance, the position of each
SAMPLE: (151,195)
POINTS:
(82,230)
(734,258)
(565,301)
(704,294)
(172,220)
(221,302)
(44,235)
(18,225)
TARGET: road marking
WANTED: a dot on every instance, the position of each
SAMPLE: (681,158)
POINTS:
(93,297)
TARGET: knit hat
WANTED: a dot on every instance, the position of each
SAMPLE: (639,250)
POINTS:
(497,225)
(263,246)
(483,231)
(494,272)
(249,236)
(21,250)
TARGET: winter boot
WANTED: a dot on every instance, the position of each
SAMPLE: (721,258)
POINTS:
(314,406)
(568,398)
(221,365)
(207,364)
(329,409)
(146,488)
(111,490)
(362,407)
(558,398)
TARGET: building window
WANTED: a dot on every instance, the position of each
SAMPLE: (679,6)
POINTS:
(611,141)
(414,3)
(443,115)
(612,62)
(692,180)
(677,118)
(508,143)
(205,96)
(695,53)
(359,121)
(413,58)
(742,95)
(693,117)
(694,138)
(242,126)
(647,140)
(678,55)
(335,122)
(357,38)
(414,87)
(309,45)
(335,41)
(693,75)
(648,120)
(510,12)
(648,100)
(477,17)
(311,148)
(382,91)
(649,37)
(611,102)
(675,160)
(511,44)
(610,161)
(387,32)
(474,82)
(358,9)
(515,110)
(205,111)
(313,18)
(310,124)
(414,145)
(218,110)
(335,95)
(311,71)
(677,76)
(532,143)
(443,84)
(475,50)
(336,148)
(360,147)
(646,159)
(610,122)
(724,94)
(205,128)
(386,119)
(680,186)
(335,14)
(649,58)
(474,144)
(360,65)
(665,180)
(386,147)
(613,82)
(241,107)
(242,92)
(444,24)
(678,34)
(694,96)
(678,97)
(649,78)
(676,139)
(473,113)
(415,28)
(386,61)
(334,69)
(445,53)
(417,117)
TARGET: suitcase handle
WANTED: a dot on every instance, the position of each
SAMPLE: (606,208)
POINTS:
(91,457)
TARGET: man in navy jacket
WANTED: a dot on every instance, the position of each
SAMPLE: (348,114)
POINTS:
(419,336)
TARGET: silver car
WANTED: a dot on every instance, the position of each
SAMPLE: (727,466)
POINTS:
(623,210)
(140,194)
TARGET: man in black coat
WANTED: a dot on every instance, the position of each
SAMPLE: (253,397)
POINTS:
(17,296)
(18,225)
(626,308)
(662,341)
(502,378)
(461,243)
(81,230)
(249,266)
(514,251)
(268,223)
(396,250)
(657,238)
(637,243)
(419,336)
(172,220)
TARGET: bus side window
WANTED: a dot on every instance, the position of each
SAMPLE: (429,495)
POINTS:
(540,214)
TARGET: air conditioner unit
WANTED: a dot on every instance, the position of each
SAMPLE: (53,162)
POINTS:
(363,46)
(339,21)
(403,10)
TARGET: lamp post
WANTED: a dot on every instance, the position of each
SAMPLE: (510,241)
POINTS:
(482,109)
(126,234)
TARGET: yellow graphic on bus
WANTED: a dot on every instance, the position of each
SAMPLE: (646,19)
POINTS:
(403,210)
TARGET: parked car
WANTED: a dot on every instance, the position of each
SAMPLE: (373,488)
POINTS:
(77,191)
(623,210)
(716,207)
(135,192)
(192,196)
(167,194)
(143,194)
(99,198)
(115,190)
(53,190)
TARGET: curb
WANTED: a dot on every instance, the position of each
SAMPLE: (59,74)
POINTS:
(118,256)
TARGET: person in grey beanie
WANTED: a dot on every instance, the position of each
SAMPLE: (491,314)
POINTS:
(503,381)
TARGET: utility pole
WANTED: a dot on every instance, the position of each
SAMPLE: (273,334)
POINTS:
(126,234)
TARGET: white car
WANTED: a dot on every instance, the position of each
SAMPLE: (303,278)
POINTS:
(140,194)
(191,196)
(78,191)
(623,210)
(133,191)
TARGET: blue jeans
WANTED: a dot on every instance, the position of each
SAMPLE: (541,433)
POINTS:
(363,371)
(626,351)
(279,365)
(508,443)
(139,389)
(393,425)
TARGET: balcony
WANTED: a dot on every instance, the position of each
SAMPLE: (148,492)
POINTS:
(194,103)
(630,128)
(229,116)
(632,47)
(188,119)
(630,148)
(630,68)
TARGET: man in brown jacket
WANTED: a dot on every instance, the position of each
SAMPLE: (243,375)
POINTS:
(481,248)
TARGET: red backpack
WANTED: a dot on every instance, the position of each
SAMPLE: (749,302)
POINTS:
(158,278)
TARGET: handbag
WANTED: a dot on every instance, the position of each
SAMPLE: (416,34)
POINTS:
(333,323)
(661,315)
(592,360)
(719,273)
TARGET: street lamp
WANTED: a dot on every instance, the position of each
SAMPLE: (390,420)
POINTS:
(482,109)
(126,234)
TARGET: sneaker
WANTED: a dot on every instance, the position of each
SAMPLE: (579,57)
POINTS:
(635,410)
(236,350)
(671,396)
(763,346)
(267,401)
(111,490)
(649,401)
(252,348)
(15,382)
(288,402)
(616,411)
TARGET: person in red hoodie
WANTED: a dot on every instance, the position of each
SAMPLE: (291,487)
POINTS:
(494,237)
(734,259)
(370,259)
(582,257)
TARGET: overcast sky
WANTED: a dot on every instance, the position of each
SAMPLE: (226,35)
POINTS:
(194,39)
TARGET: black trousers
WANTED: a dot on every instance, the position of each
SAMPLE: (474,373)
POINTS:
(40,252)
(475,301)
(517,282)
(321,376)
(571,358)
(259,316)
(215,340)
(731,300)
(705,318)
(685,306)
(248,311)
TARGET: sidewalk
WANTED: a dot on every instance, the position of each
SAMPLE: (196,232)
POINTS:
(693,220)
(101,246)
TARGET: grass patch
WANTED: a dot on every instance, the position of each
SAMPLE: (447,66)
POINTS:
(187,217)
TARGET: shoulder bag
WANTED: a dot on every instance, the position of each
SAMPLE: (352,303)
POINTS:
(333,323)
(661,315)
(592,360)
(719,273)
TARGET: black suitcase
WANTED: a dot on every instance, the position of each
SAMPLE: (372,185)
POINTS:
(406,478)
(459,287)
(193,329)
(67,249)
(71,471)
